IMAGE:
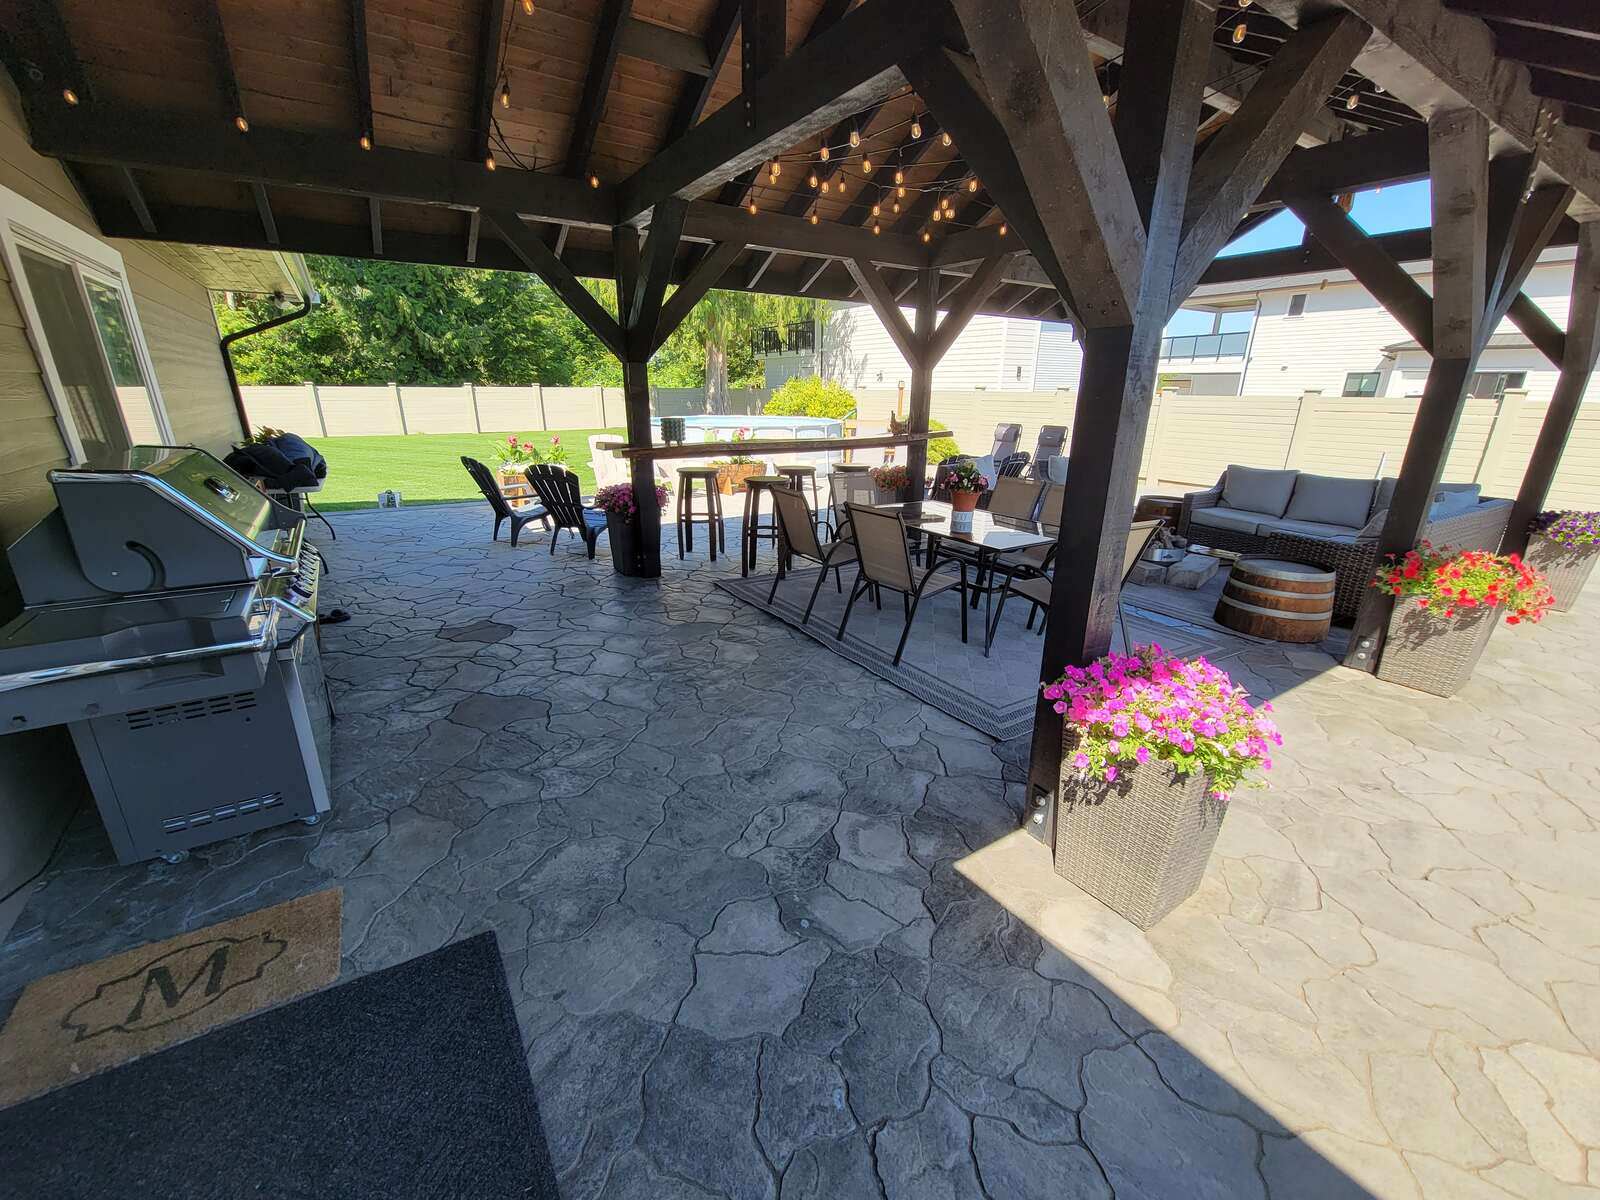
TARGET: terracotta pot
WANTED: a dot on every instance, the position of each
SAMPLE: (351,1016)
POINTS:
(731,476)
(1432,653)
(1140,845)
(1565,568)
(964,501)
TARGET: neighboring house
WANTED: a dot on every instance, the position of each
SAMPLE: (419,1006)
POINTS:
(102,344)
(1319,330)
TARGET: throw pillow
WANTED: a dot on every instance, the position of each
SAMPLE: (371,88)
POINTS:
(1255,490)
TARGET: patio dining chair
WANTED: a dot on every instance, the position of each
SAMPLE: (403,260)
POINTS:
(884,554)
(1012,497)
(557,489)
(797,538)
(1036,590)
(503,512)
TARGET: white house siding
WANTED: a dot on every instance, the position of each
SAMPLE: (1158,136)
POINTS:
(1060,358)
(992,354)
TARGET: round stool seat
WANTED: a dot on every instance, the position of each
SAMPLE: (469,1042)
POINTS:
(1277,599)
(699,471)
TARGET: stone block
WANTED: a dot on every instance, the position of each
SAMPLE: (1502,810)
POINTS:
(1149,574)
(1194,572)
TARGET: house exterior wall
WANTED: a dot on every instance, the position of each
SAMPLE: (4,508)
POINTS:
(40,782)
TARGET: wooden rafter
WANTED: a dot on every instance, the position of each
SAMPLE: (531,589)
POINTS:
(707,273)
(375,221)
(696,93)
(269,222)
(664,46)
(361,67)
(222,62)
(1390,284)
(491,55)
(136,200)
(596,85)
(542,261)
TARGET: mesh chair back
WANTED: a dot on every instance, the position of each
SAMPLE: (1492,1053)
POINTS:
(881,547)
(1015,498)
(1051,439)
(852,487)
(794,522)
(557,489)
(1138,538)
(482,476)
(1012,464)
(1055,496)
(1006,437)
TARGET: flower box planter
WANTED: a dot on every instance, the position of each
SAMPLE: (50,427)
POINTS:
(511,475)
(623,534)
(1565,568)
(1432,653)
(731,476)
(1139,845)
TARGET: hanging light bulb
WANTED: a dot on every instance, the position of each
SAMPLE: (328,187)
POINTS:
(70,96)
(1352,101)
(841,187)
(753,208)
(1245,3)
(855,138)
(594,181)
(1239,31)
(916,127)
(812,179)
(926,236)
(488,160)
(365,141)
(877,210)
(972,185)
(897,206)
(1106,100)
(938,214)
(505,94)
(825,152)
(527,7)
(241,124)
(900,191)
(1002,229)
(777,168)
(899,175)
(876,229)
(813,218)
(946,139)
(866,166)
(824,187)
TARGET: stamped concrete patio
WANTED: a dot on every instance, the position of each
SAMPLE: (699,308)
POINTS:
(773,932)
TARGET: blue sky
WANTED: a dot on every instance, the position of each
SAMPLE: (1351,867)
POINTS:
(1404,206)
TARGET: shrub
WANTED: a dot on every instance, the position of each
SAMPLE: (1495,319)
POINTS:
(941,448)
(808,396)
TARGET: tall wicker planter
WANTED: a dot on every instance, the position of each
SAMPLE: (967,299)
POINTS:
(1432,653)
(1565,568)
(1140,845)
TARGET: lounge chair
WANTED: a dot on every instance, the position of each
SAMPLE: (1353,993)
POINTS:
(557,489)
(885,558)
(1051,439)
(1036,590)
(797,537)
(503,511)
(1006,437)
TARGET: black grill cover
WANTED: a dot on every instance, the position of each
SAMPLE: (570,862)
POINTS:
(283,462)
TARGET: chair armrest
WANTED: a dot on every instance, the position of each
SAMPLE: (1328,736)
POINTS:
(1479,528)
(1209,498)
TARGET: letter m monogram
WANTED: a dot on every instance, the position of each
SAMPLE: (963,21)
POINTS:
(160,979)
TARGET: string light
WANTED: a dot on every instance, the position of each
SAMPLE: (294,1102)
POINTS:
(505,95)
(825,152)
(594,181)
(1352,101)
(1002,229)
(753,208)
(866,166)
(841,187)
(900,191)
(876,229)
(241,124)
(527,7)
(946,139)
(897,206)
(488,160)
(1245,3)
(1239,31)
(877,210)
(813,218)
(916,127)
(972,185)
(855,138)
(824,187)
(777,168)
(926,236)
(70,96)
(812,179)
(899,175)
(938,214)
(366,141)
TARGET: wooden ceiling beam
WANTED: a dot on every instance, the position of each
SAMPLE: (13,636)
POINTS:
(136,200)
(375,221)
(1569,89)
(361,67)
(284,158)
(696,94)
(664,46)
(706,274)
(708,222)
(1552,16)
(596,85)
(222,60)
(491,55)
(840,72)
(269,223)
(528,246)
(1551,51)
(474,225)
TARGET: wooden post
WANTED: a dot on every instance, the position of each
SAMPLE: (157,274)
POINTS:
(926,295)
(399,405)
(472,398)
(1582,344)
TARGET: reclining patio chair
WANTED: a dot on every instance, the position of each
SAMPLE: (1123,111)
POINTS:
(797,538)
(885,561)
(557,489)
(503,512)
(1037,589)
(1051,439)
(1006,437)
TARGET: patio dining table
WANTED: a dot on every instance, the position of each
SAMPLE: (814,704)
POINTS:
(990,538)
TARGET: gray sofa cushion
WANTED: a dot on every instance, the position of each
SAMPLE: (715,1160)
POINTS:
(1331,500)
(1375,524)
(1453,499)
(1317,529)
(1384,496)
(1250,489)
(1222,517)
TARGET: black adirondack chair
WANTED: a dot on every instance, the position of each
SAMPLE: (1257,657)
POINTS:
(557,489)
(503,512)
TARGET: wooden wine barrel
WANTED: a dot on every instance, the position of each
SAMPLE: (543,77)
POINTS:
(1271,598)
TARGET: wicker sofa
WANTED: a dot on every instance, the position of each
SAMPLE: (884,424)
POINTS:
(1330,522)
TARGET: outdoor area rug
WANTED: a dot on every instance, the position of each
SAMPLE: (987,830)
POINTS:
(405,1084)
(78,1022)
(1198,607)
(994,695)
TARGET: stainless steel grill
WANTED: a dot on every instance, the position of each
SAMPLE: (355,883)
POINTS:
(170,623)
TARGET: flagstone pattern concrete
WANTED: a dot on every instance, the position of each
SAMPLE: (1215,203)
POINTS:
(773,931)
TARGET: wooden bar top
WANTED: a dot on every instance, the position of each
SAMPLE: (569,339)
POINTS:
(756,447)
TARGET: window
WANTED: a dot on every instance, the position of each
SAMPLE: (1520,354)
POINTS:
(1493,385)
(75,302)
(1362,383)
(1297,304)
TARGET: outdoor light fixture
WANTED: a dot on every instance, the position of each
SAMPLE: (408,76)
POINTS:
(70,96)
(777,168)
(938,214)
(824,187)
(972,184)
(365,141)
(926,236)
(241,124)
(1239,31)
(876,229)
(916,127)
(946,139)
(877,210)
(812,179)
(899,191)
(505,95)
(899,175)
(813,218)
(488,160)
(527,7)
(855,138)
(897,206)
(841,187)
(825,152)
(1002,229)
(594,181)
(753,208)
(866,166)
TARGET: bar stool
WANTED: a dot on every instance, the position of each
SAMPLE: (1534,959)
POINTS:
(716,531)
(799,477)
(753,532)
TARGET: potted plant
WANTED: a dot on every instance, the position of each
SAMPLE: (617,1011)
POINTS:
(966,484)
(516,455)
(1447,606)
(893,482)
(1154,747)
(1563,546)
(617,501)
(732,472)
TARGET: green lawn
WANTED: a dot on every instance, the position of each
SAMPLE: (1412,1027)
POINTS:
(425,468)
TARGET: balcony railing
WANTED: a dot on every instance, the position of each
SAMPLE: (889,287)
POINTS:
(1205,345)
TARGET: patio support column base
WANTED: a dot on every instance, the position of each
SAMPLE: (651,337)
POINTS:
(636,403)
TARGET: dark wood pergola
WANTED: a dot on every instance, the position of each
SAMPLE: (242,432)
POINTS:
(1075,161)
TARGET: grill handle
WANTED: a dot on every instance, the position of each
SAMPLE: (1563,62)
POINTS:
(264,640)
